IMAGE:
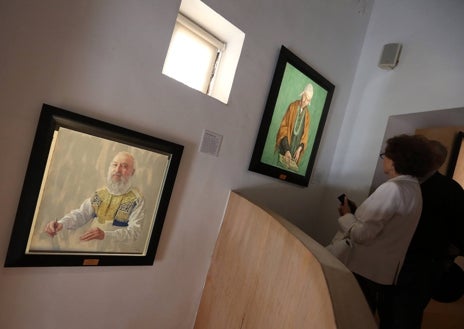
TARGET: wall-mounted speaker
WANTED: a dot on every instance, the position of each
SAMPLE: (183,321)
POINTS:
(390,56)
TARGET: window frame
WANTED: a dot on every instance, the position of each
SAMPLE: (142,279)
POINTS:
(201,33)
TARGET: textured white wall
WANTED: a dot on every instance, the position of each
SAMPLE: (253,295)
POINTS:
(104,59)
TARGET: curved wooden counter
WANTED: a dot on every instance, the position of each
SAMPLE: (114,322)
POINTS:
(266,273)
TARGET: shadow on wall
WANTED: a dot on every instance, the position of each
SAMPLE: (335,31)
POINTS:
(288,200)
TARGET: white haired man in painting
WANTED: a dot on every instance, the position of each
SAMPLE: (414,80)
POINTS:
(115,211)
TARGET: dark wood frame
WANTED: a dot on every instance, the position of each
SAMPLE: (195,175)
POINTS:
(455,154)
(51,120)
(291,73)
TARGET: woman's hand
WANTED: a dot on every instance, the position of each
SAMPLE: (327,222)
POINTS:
(346,207)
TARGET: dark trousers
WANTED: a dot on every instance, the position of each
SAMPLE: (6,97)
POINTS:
(401,306)
(412,293)
(373,292)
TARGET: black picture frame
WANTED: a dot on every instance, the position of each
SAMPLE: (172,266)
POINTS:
(292,78)
(69,161)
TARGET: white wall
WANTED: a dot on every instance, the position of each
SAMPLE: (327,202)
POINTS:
(104,59)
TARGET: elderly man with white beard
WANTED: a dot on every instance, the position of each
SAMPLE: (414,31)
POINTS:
(117,210)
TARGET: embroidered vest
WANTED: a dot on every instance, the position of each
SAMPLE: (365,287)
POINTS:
(115,208)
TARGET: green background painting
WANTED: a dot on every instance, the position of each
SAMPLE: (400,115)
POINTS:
(293,84)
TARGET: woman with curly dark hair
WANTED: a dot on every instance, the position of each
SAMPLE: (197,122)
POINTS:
(381,228)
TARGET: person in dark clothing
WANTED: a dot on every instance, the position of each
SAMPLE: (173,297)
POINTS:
(440,230)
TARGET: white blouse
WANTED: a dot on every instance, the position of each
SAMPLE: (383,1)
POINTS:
(382,228)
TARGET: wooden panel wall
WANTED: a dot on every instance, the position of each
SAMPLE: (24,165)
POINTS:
(266,273)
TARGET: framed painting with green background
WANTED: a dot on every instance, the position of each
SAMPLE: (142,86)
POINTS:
(293,121)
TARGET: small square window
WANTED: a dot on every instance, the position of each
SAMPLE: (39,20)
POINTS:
(193,56)
(197,54)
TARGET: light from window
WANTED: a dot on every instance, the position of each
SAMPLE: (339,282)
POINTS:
(193,55)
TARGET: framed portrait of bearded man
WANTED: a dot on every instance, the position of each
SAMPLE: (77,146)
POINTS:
(94,194)
(293,121)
